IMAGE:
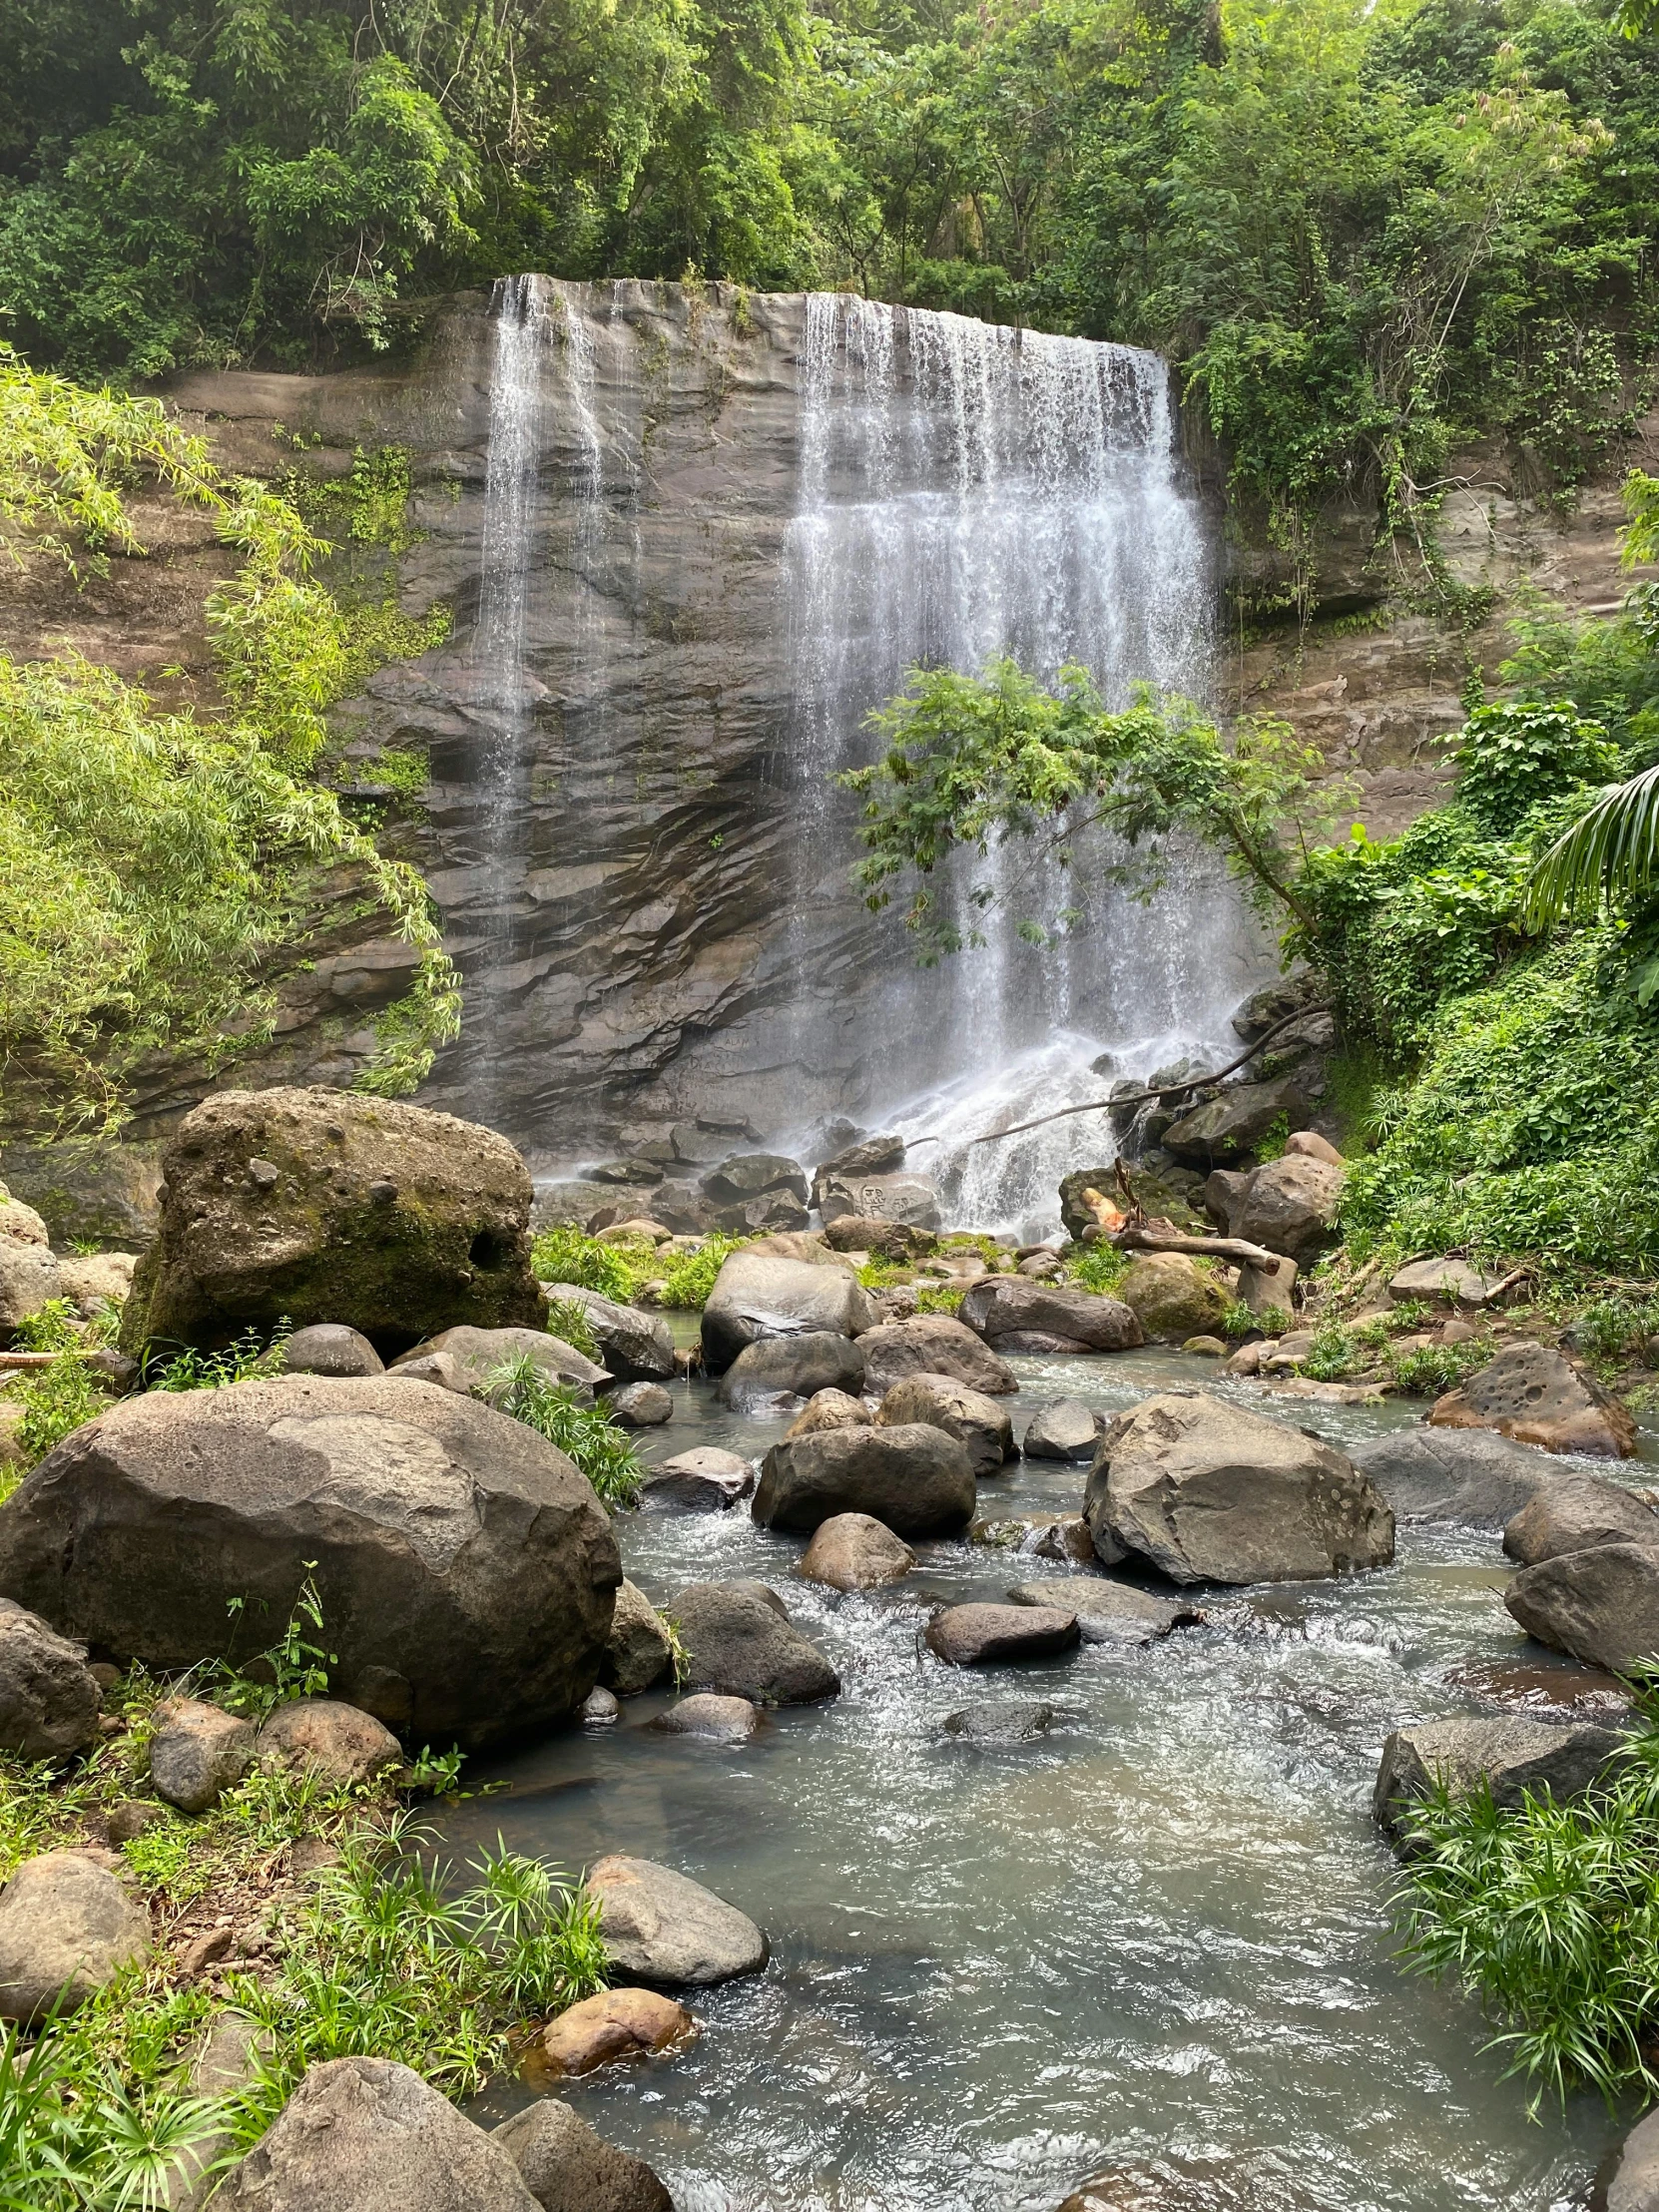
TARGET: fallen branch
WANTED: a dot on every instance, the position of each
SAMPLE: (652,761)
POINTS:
(1169,1091)
(27,1358)
(1210,1248)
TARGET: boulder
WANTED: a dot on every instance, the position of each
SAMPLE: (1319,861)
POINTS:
(567,2166)
(899,1240)
(1209,1492)
(1172,1194)
(869,1156)
(1269,1290)
(829,1409)
(669,1931)
(599,1709)
(978,1422)
(1451,1281)
(91,1281)
(1540,1397)
(640,1405)
(1232,1125)
(1000,1720)
(997,1635)
(1061,1537)
(1575,1511)
(21,1223)
(1109,1611)
(1308,1143)
(1010,1312)
(49,1696)
(29,1280)
(198,1752)
(469,1359)
(909,1200)
(851,1551)
(754,1297)
(738,1640)
(320,1205)
(932,1343)
(330,1348)
(1633,2182)
(915,1479)
(1289,1206)
(678,1207)
(464,1566)
(801,1244)
(369,2135)
(1172,1297)
(777,1367)
(1602,1605)
(702,1480)
(752,1175)
(339,1743)
(717,1719)
(633,1347)
(639,1651)
(1067,1430)
(1512,1757)
(68,1923)
(1469,1475)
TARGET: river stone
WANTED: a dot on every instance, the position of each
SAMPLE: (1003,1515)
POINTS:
(752,1175)
(476,1355)
(341,1744)
(994,1635)
(198,1752)
(454,1548)
(369,2135)
(616,2023)
(1602,1605)
(21,1223)
(1633,2185)
(887,1240)
(717,1719)
(978,1424)
(1289,1205)
(790,1367)
(1469,1475)
(1444,1283)
(1207,1492)
(568,2167)
(640,1405)
(828,1410)
(49,1696)
(1172,1297)
(633,1347)
(1572,1513)
(599,1708)
(1067,1430)
(1009,1310)
(1511,1756)
(638,1652)
(917,1479)
(762,1296)
(1000,1720)
(394,1220)
(330,1348)
(852,1551)
(1108,1611)
(68,1923)
(932,1343)
(665,1929)
(29,1280)
(1232,1125)
(1540,1397)
(909,1200)
(702,1480)
(738,1640)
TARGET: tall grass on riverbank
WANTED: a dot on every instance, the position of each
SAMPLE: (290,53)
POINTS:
(1548,1915)
(585,1434)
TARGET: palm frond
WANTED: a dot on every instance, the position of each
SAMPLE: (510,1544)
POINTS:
(1610,857)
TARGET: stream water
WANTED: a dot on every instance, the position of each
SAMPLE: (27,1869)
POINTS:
(1156,1939)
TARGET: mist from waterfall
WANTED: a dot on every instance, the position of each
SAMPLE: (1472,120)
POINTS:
(969,490)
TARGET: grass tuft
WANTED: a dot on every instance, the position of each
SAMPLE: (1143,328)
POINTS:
(585,1434)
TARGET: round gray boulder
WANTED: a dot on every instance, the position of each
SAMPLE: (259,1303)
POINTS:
(738,1640)
(1601,1605)
(198,1752)
(49,1696)
(1011,1312)
(800,1367)
(330,1348)
(992,1635)
(68,1923)
(636,1346)
(932,1343)
(1574,1512)
(851,1551)
(917,1479)
(1067,1430)
(757,1294)
(702,1480)
(465,1568)
(665,1929)
(978,1424)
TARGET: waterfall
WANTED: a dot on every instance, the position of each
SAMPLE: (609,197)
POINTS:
(969,490)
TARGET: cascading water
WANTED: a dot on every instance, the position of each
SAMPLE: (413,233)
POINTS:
(968,491)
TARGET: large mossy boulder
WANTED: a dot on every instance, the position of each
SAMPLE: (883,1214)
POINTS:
(315,1206)
(466,1570)
(1172,1297)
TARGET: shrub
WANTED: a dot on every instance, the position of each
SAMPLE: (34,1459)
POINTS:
(1102,1267)
(565,1255)
(585,1434)
(687,1279)
(569,1321)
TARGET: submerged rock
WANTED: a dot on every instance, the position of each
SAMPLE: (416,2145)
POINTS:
(1010,1312)
(1633,2184)
(1602,1605)
(68,1923)
(1207,1492)
(1109,1611)
(915,1479)
(979,1424)
(1067,1430)
(1540,1397)
(566,2165)
(994,1635)
(702,1480)
(1512,1757)
(668,1929)
(853,1551)
(461,1559)
(1001,1720)
(792,1366)
(717,1719)
(740,1641)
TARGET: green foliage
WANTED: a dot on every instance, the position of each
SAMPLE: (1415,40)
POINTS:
(56,1400)
(1549,1916)
(189,1368)
(567,1318)
(56,1327)
(1515,755)
(293,1666)
(565,1255)
(1099,1267)
(1424,1370)
(689,1276)
(585,1434)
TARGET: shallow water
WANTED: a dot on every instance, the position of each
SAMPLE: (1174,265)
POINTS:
(1159,1933)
